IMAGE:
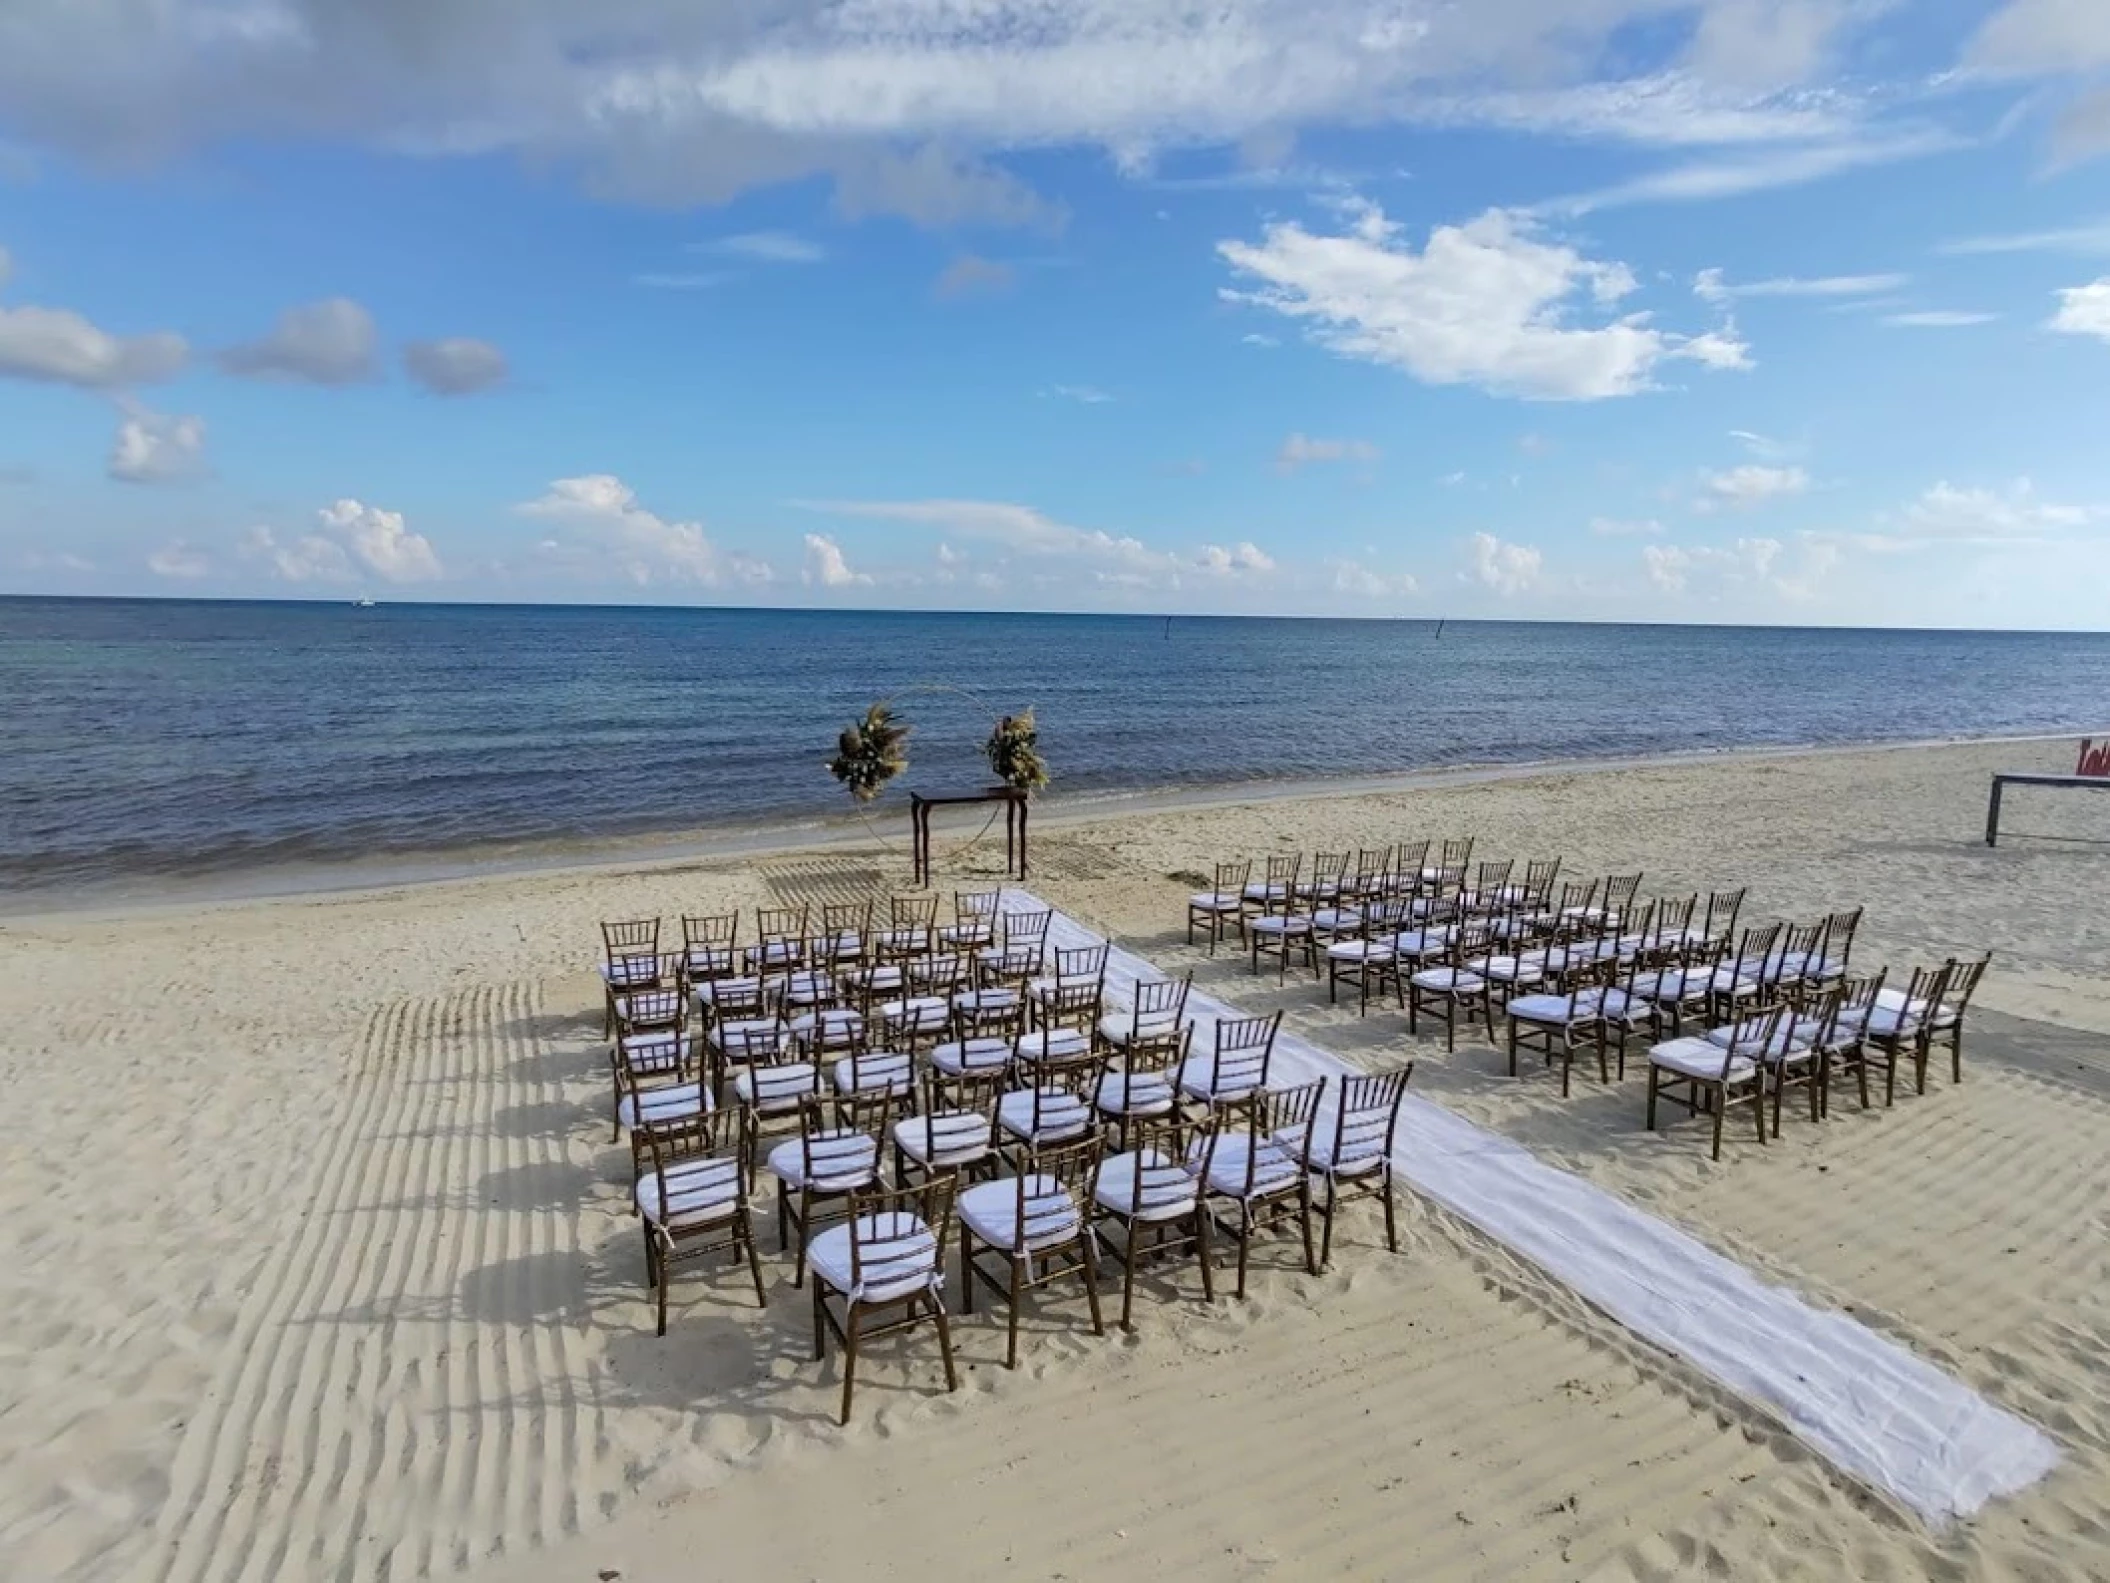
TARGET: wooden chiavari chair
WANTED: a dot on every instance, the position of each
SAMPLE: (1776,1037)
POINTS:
(1235,1067)
(1254,1165)
(1020,951)
(1222,906)
(780,940)
(1035,1226)
(1456,988)
(1701,1075)
(692,1200)
(832,1157)
(953,1131)
(630,961)
(974,915)
(1148,1195)
(888,1255)
(1370,963)
(1350,1152)
(911,929)
(710,945)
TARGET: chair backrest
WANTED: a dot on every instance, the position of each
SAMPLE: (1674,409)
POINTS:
(1473,939)
(630,938)
(944,974)
(1858,999)
(1839,931)
(1409,858)
(976,910)
(759,1042)
(1282,874)
(781,923)
(1753,1031)
(1576,899)
(1286,1118)
(1388,917)
(1160,1003)
(1025,931)
(1673,920)
(1753,957)
(1245,1046)
(911,913)
(1328,870)
(713,932)
(1069,1167)
(1539,875)
(897,1236)
(1367,1116)
(1491,878)
(1620,891)
(672,1141)
(1232,878)
(1723,906)
(1071,1003)
(645,1009)
(1813,1015)
(1800,950)
(1084,964)
(1373,865)
(733,999)
(846,929)
(1155,1168)
(1962,983)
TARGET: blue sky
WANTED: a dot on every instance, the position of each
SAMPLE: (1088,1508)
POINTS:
(1705,310)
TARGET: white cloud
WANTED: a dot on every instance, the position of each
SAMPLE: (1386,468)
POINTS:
(379,541)
(1990,516)
(1300,450)
(1938,319)
(1241,557)
(2084,310)
(1508,569)
(1739,488)
(180,561)
(1673,567)
(765,247)
(1087,395)
(1019,529)
(58,346)
(1615,528)
(1710,285)
(645,547)
(309,559)
(2071,239)
(1737,175)
(971,275)
(319,343)
(692,281)
(2033,37)
(901,103)
(455,366)
(1357,581)
(156,448)
(1489,303)
(825,566)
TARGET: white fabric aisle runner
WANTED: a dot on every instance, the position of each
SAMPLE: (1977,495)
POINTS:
(1864,1403)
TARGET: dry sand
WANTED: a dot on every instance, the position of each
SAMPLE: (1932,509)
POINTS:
(314,1260)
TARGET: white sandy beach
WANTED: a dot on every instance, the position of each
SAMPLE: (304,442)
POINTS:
(314,1260)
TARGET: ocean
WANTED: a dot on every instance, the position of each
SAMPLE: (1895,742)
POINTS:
(147,740)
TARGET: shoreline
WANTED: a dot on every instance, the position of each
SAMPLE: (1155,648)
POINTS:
(295,882)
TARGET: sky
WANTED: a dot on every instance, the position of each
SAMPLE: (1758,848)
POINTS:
(1776,311)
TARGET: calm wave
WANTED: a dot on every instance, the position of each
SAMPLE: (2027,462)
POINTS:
(151,738)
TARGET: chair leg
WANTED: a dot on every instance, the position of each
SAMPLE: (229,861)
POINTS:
(1128,1276)
(851,1327)
(1721,1109)
(1245,1243)
(1011,1345)
(966,1269)
(1201,1241)
(1091,1281)
(1311,1258)
(754,1261)
(952,1374)
(820,1324)
(1653,1069)
(1326,1211)
(663,1283)
(1391,1212)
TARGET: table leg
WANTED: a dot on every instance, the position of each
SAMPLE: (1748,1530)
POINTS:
(1023,806)
(1992,813)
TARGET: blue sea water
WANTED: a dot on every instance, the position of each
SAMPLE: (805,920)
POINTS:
(147,739)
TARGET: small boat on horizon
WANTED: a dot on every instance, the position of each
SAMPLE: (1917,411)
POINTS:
(362,603)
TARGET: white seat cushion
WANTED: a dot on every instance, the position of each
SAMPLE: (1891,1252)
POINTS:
(1361,1144)
(1423,942)
(1281,925)
(1168,1190)
(1140,1094)
(1673,985)
(1199,1078)
(1363,953)
(1336,920)
(950,1138)
(880,1071)
(1785,1044)
(842,1160)
(1695,1057)
(1213,901)
(836,1025)
(987,1002)
(1456,980)
(809,989)
(1117,1028)
(704,960)
(914,939)
(670,1102)
(1528,968)
(1056,1044)
(990,1209)
(651,1046)
(958,1057)
(900,1258)
(775,1089)
(1062,1115)
(630,972)
(918,1014)
(746,1038)
(1259,892)
(1895,1001)
(879,980)
(1589,1005)
(1274,1167)
(698,1192)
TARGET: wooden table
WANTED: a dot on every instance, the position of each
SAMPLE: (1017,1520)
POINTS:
(2004,778)
(1015,803)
